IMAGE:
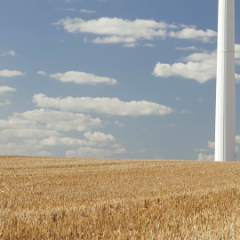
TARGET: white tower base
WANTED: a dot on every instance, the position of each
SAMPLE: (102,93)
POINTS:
(225,90)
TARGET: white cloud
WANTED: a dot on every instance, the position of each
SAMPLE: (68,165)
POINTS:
(93,152)
(114,39)
(18,123)
(28,133)
(23,149)
(193,33)
(199,66)
(64,141)
(119,123)
(99,137)
(91,139)
(112,106)
(201,150)
(41,123)
(186,48)
(7,102)
(82,78)
(9,73)
(57,120)
(40,129)
(29,147)
(87,11)
(211,144)
(204,157)
(116,26)
(9,53)
(6,89)
(120,30)
(41,73)
(149,45)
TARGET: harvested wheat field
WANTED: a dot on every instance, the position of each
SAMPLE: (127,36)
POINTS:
(59,198)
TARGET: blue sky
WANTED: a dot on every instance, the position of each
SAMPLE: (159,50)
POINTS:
(112,79)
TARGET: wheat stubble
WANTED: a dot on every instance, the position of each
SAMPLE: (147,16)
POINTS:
(59,198)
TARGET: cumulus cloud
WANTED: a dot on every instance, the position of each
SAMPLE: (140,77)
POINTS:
(57,120)
(9,73)
(9,53)
(116,26)
(91,139)
(41,73)
(99,137)
(122,30)
(64,141)
(149,45)
(112,106)
(29,147)
(82,78)
(114,39)
(23,149)
(186,48)
(201,150)
(40,129)
(87,11)
(204,157)
(93,152)
(198,66)
(193,33)
(18,123)
(28,133)
(7,102)
(6,89)
(119,123)
(211,144)
(41,123)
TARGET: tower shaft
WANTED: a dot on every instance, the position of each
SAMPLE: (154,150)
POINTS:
(225,89)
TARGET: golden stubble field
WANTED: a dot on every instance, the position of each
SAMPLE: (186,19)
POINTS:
(59,198)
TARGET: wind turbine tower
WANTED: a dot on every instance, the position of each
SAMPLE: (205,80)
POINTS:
(225,90)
